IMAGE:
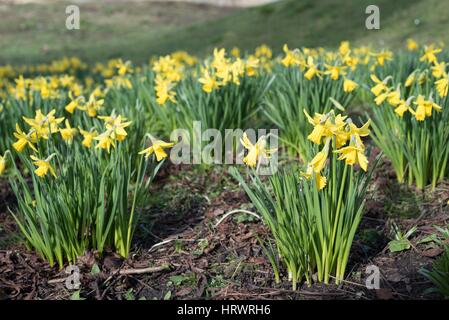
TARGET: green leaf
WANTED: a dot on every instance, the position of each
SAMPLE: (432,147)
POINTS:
(337,104)
(95,269)
(432,238)
(167,296)
(399,245)
(76,296)
(178,279)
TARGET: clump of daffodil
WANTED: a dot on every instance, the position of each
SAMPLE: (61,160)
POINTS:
(157,147)
(334,132)
(257,153)
(314,222)
(409,124)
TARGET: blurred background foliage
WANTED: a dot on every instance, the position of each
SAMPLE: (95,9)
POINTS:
(34,31)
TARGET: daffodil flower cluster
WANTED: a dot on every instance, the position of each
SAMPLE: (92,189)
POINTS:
(338,135)
(318,63)
(44,125)
(420,107)
(91,106)
(223,70)
(62,66)
(436,69)
(115,131)
(169,71)
(47,87)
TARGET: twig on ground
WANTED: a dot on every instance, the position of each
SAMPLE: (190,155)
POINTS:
(236,211)
(144,270)
(168,241)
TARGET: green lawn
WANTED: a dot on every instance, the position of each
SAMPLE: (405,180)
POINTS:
(136,31)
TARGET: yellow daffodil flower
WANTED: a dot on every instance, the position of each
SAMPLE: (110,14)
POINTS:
(123,68)
(157,147)
(402,107)
(394,97)
(291,57)
(312,69)
(412,45)
(163,90)
(321,181)
(319,161)
(88,137)
(92,106)
(439,69)
(74,103)
(235,52)
(353,154)
(380,85)
(105,141)
(430,54)
(383,56)
(68,133)
(349,85)
(410,79)
(251,65)
(2,164)
(24,140)
(344,48)
(209,82)
(442,86)
(256,152)
(335,71)
(43,166)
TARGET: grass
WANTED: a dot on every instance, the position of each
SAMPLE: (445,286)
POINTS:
(34,32)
